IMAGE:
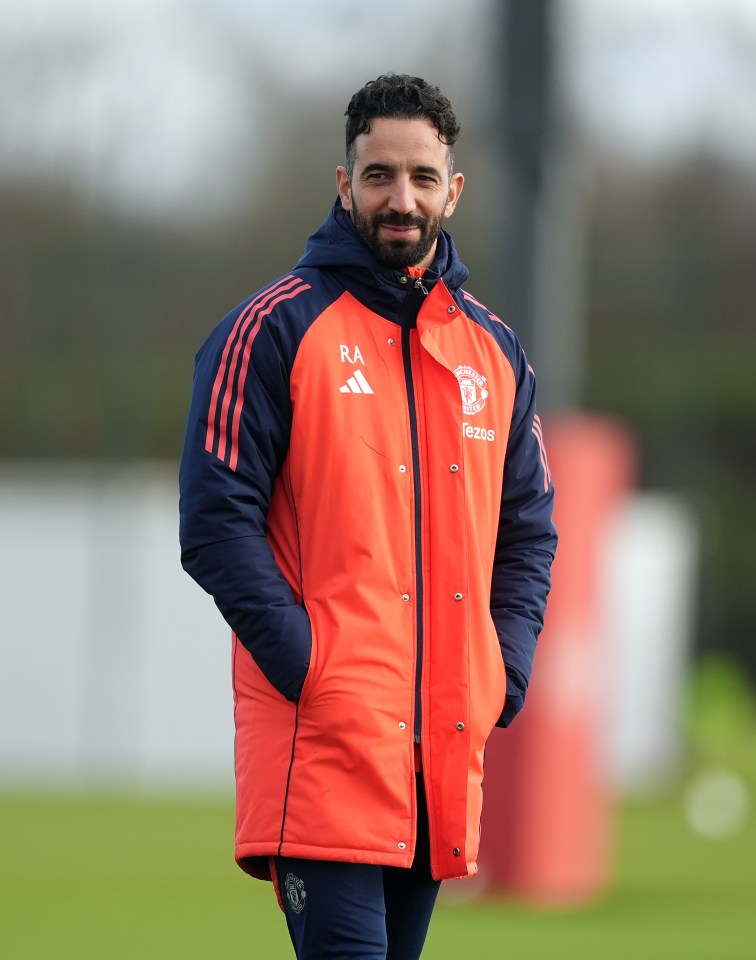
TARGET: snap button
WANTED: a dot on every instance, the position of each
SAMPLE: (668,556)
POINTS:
(454,468)
(402,725)
(457,596)
(451,309)
(456,851)
(402,279)
(460,725)
(402,845)
(391,341)
(402,468)
(405,597)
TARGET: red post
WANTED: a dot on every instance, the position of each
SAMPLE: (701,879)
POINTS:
(547,812)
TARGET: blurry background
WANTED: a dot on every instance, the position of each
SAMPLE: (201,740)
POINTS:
(161,160)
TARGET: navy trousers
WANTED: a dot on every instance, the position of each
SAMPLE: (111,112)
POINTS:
(357,911)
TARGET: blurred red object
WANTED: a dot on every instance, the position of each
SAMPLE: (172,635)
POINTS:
(546,833)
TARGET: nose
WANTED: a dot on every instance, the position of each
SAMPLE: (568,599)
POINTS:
(401,198)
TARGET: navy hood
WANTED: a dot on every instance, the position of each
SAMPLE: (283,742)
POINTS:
(336,246)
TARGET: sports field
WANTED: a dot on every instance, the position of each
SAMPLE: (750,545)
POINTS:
(106,877)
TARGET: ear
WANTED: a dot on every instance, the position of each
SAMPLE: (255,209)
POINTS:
(455,191)
(344,187)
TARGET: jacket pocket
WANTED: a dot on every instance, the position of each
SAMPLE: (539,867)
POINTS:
(308,676)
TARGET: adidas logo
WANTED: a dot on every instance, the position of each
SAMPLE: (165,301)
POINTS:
(356,384)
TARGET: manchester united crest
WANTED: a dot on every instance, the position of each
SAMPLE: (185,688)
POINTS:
(473,389)
(295,892)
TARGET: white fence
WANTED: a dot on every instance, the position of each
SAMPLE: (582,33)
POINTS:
(114,665)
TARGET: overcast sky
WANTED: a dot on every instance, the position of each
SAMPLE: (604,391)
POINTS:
(164,104)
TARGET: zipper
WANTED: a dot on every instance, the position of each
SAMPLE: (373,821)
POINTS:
(415,444)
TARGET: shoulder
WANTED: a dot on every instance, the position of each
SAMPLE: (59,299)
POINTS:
(279,312)
(300,294)
(504,335)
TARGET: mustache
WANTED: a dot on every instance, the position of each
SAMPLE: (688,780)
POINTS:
(399,220)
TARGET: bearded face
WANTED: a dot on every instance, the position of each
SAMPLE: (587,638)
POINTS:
(399,188)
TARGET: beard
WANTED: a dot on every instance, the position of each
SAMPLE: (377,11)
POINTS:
(397,253)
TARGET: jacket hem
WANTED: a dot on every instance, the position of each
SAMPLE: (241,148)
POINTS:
(253,857)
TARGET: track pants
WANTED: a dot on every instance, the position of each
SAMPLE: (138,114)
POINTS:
(356,911)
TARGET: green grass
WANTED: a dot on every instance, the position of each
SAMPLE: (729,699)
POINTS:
(673,895)
(125,878)
(99,877)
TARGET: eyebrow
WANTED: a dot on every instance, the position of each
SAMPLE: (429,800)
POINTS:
(381,167)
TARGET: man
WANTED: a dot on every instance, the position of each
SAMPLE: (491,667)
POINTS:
(365,494)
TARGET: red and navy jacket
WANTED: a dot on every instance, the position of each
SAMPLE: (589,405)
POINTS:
(365,494)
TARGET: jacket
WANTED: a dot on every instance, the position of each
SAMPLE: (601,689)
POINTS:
(365,493)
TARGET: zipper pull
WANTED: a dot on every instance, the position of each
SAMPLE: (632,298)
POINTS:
(419,286)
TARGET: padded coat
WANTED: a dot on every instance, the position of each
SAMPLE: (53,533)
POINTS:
(365,493)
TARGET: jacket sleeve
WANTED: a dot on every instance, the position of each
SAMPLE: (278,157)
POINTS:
(236,442)
(526,543)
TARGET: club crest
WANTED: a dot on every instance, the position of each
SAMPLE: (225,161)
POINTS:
(472,386)
(295,892)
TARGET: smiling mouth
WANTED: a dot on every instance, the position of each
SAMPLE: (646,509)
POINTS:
(397,231)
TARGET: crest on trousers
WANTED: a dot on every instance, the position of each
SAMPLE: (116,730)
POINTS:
(472,386)
(295,892)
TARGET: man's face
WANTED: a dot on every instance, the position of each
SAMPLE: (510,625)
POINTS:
(400,190)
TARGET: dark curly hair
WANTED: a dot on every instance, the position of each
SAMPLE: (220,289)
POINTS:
(399,96)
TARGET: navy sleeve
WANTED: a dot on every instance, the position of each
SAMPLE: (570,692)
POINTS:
(525,545)
(236,442)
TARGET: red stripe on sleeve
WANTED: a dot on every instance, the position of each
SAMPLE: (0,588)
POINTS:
(234,458)
(223,376)
(537,431)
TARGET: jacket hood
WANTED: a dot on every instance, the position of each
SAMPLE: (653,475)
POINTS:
(337,246)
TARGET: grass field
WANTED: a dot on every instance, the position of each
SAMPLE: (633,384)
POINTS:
(102,877)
